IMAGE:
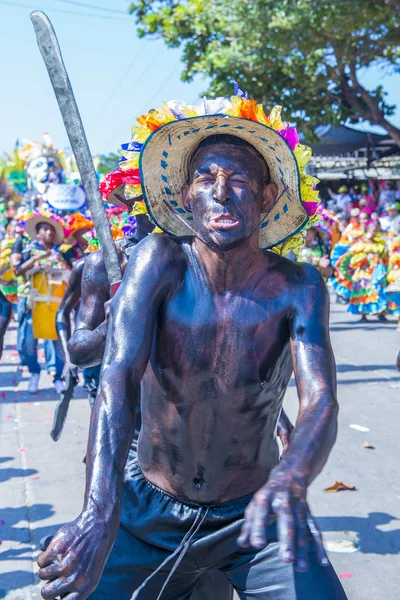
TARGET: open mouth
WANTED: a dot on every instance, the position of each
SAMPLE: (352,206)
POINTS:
(224,222)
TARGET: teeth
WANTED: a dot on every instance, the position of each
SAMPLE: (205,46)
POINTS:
(225,221)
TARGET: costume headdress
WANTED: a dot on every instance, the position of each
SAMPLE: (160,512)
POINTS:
(155,165)
(77,222)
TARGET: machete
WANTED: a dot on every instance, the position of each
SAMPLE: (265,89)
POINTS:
(61,411)
(51,53)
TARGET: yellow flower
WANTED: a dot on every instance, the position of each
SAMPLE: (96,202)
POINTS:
(275,118)
(139,208)
(133,191)
(140,134)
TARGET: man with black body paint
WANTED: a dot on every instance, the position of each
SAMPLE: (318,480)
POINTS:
(213,328)
(86,347)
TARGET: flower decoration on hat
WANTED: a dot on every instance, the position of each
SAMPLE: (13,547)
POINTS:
(131,176)
(77,222)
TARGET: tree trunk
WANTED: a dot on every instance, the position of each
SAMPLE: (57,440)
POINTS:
(373,113)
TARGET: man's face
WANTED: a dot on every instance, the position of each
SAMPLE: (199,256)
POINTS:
(228,190)
(311,238)
(46,233)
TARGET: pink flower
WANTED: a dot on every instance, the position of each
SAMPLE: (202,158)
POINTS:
(291,136)
(311,208)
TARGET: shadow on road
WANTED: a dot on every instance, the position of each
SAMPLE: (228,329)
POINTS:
(371,540)
(11,516)
(10,473)
(15,580)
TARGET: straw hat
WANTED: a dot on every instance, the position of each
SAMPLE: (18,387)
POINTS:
(164,169)
(53,220)
(154,165)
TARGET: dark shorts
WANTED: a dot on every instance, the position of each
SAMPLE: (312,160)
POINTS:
(164,541)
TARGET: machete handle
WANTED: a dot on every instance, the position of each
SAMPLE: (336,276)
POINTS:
(114,287)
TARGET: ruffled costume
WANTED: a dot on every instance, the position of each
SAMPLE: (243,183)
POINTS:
(350,236)
(8,281)
(364,270)
(393,278)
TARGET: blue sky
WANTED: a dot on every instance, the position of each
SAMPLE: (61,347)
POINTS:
(115,75)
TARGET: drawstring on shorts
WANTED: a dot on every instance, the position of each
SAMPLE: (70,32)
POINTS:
(179,553)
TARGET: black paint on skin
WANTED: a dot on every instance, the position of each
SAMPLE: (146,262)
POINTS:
(68,303)
(87,344)
(212,329)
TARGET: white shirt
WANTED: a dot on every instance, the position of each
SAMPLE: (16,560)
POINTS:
(390,225)
(343,202)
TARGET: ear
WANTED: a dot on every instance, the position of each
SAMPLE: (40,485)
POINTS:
(186,196)
(269,196)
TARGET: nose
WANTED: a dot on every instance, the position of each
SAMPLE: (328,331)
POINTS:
(221,190)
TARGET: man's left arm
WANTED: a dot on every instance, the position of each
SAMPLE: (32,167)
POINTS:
(285,493)
(68,303)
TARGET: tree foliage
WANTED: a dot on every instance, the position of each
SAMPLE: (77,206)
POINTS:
(303,54)
(107,163)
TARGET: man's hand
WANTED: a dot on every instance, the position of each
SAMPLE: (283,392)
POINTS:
(68,366)
(75,558)
(285,496)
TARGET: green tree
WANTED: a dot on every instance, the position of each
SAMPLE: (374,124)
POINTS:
(303,54)
(107,163)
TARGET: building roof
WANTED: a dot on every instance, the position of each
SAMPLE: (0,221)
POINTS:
(340,140)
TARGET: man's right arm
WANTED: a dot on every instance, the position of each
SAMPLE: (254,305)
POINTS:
(76,556)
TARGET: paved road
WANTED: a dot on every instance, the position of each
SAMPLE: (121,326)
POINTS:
(42,481)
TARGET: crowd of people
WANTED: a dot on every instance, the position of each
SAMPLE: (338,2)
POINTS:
(38,251)
(356,247)
(355,244)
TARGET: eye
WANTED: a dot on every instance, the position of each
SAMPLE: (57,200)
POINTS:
(205,179)
(238,179)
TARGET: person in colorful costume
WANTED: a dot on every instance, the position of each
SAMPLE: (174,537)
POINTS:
(43,270)
(211,324)
(363,267)
(76,227)
(353,232)
(8,281)
(316,252)
(393,279)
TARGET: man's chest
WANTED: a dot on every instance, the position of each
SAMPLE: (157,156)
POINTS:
(228,337)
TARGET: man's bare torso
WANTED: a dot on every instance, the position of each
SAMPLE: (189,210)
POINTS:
(215,382)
